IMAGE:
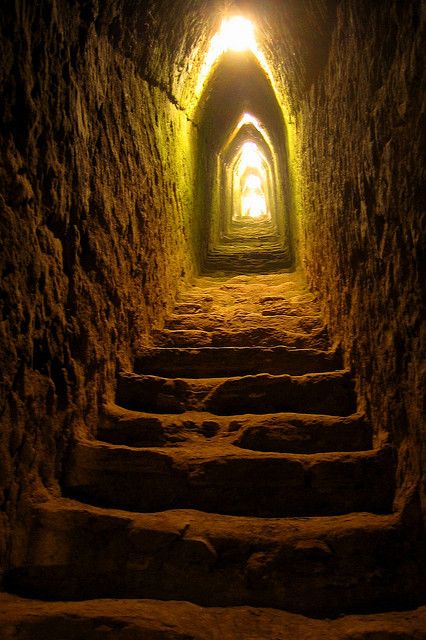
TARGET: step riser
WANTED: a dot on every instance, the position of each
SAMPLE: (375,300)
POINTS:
(250,484)
(307,573)
(282,433)
(325,394)
(300,437)
(162,620)
(249,338)
(216,362)
(199,321)
(232,492)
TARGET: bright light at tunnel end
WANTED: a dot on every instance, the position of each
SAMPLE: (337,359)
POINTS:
(251,170)
(237,34)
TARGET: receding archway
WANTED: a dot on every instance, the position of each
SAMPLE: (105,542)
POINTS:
(239,106)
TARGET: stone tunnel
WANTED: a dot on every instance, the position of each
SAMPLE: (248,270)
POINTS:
(212,319)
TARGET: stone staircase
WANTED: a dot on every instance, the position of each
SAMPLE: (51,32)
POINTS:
(233,469)
(249,246)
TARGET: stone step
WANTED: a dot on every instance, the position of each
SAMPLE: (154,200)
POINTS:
(229,296)
(280,432)
(243,288)
(271,257)
(211,362)
(249,337)
(325,393)
(225,300)
(248,248)
(268,236)
(241,284)
(221,478)
(318,566)
(133,619)
(249,262)
(259,238)
(270,307)
(247,323)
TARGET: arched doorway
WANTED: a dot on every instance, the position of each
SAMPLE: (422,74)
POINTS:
(243,186)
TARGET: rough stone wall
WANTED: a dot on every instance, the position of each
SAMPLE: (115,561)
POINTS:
(95,184)
(95,197)
(363,217)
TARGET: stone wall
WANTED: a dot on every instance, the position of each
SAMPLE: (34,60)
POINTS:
(363,217)
(95,188)
(96,198)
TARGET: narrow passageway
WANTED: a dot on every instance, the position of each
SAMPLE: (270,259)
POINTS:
(242,469)
(211,320)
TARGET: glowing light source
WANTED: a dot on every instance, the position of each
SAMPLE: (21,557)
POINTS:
(252,175)
(253,205)
(251,156)
(237,34)
(253,182)
(247,118)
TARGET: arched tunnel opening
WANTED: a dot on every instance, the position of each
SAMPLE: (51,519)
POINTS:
(212,319)
(242,226)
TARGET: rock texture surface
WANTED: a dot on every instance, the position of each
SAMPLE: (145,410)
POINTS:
(154,620)
(98,225)
(94,198)
(183,500)
(363,216)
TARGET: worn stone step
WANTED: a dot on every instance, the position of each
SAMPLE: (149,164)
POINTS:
(250,337)
(269,307)
(289,283)
(249,262)
(135,619)
(248,248)
(325,393)
(261,238)
(247,323)
(207,362)
(222,478)
(277,283)
(248,300)
(280,432)
(297,433)
(245,259)
(251,238)
(318,566)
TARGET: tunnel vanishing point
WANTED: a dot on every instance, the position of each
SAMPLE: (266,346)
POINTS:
(212,232)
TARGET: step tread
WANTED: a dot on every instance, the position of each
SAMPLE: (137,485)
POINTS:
(247,321)
(340,374)
(286,432)
(326,392)
(338,562)
(194,522)
(210,361)
(195,334)
(199,452)
(222,478)
(172,620)
(279,349)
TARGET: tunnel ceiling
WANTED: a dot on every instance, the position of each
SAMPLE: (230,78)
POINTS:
(97,191)
(244,133)
(237,85)
(168,41)
(247,227)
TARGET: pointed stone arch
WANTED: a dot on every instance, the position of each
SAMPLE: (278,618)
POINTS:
(236,87)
